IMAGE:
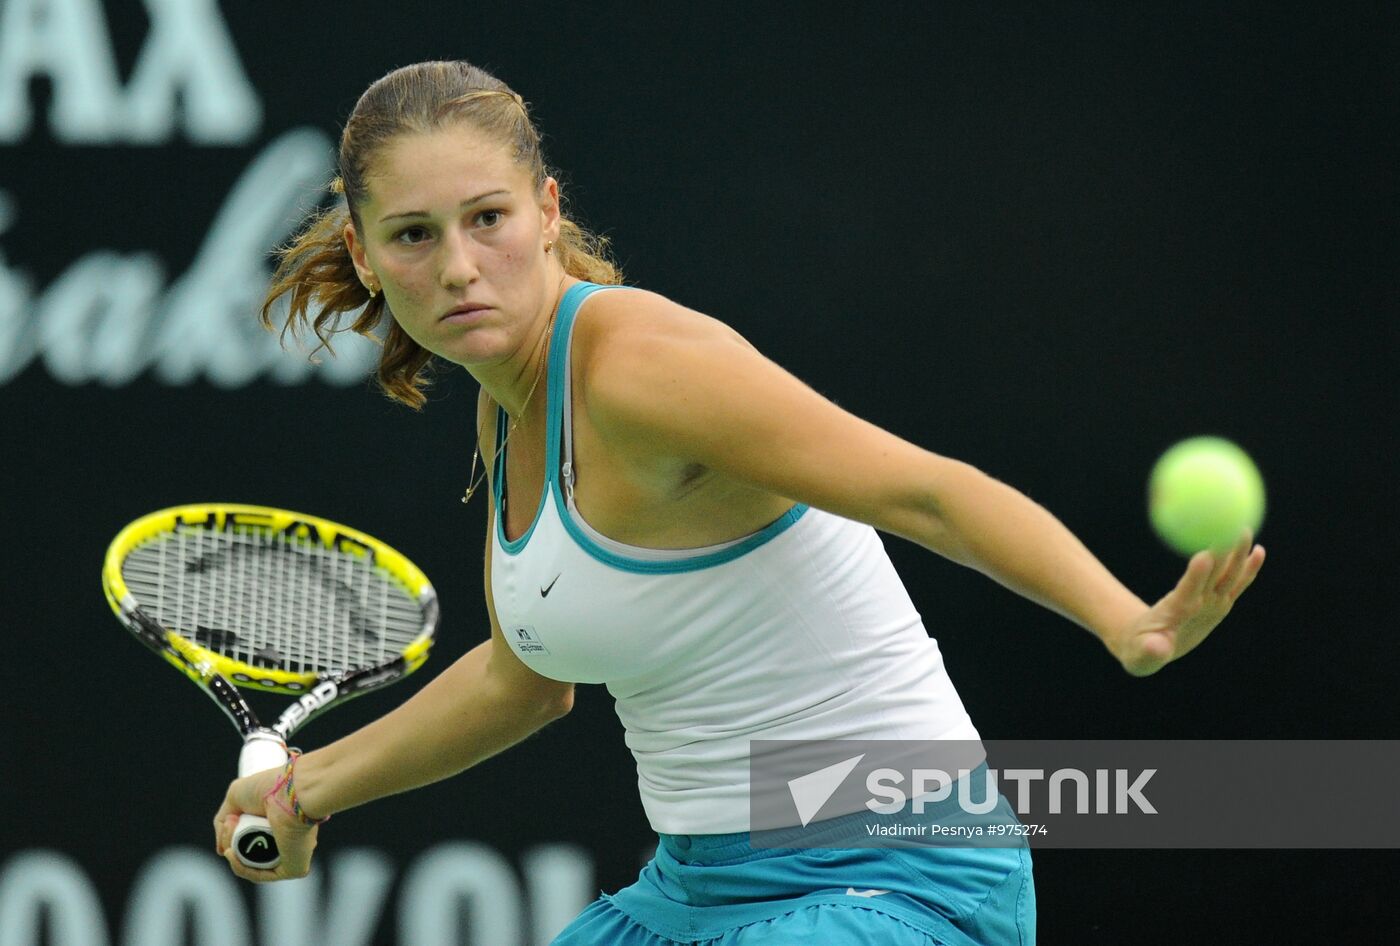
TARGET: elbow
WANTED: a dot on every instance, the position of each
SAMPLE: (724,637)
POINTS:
(544,704)
(522,693)
(536,710)
(951,489)
(918,515)
(559,704)
(545,701)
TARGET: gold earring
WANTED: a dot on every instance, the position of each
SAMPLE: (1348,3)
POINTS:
(373,291)
(549,246)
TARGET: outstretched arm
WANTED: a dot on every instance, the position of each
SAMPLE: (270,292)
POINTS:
(689,387)
(1007,536)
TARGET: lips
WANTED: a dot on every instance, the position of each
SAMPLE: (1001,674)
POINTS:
(463,312)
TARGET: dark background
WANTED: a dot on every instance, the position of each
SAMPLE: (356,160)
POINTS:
(1049,242)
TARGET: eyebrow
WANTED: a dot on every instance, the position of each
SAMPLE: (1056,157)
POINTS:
(465,203)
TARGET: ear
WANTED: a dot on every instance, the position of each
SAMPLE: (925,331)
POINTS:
(357,255)
(549,209)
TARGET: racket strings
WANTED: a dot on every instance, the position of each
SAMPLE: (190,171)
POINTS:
(273,600)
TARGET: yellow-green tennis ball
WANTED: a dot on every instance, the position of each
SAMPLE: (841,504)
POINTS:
(1202,493)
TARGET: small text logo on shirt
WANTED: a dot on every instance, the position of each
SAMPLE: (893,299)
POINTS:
(526,640)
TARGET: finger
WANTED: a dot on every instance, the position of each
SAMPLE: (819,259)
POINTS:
(1246,561)
(1198,571)
(296,858)
(254,874)
(223,828)
(234,805)
(1228,559)
(1249,572)
(224,831)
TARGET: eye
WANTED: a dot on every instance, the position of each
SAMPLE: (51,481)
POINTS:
(411,235)
(489,218)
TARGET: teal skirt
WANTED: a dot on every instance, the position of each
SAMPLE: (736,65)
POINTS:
(719,889)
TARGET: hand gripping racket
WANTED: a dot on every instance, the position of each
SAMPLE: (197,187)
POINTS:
(266,599)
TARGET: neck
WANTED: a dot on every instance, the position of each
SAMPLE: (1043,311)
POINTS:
(517,383)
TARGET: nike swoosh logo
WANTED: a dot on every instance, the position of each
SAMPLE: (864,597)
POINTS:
(544,592)
(853,892)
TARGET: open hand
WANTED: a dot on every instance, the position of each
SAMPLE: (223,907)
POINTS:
(1174,626)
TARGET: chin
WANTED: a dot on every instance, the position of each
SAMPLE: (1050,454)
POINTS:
(473,353)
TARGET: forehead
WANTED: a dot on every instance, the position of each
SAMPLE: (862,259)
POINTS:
(422,171)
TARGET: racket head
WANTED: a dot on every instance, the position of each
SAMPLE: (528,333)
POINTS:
(270,599)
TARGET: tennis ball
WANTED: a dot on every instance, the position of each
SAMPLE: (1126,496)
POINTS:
(1202,493)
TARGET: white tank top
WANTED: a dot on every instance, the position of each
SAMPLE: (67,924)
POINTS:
(801,630)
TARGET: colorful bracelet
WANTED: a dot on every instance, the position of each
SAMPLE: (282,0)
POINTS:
(284,794)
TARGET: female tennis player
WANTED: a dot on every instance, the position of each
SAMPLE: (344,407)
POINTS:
(674,515)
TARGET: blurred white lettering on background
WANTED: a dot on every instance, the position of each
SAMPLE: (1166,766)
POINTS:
(457,892)
(188,57)
(105,319)
(109,316)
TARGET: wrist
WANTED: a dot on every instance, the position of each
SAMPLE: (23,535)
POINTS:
(1114,626)
(288,793)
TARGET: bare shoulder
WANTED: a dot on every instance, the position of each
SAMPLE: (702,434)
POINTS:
(630,344)
(612,321)
(679,387)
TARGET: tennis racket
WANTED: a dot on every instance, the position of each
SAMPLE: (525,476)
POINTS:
(266,599)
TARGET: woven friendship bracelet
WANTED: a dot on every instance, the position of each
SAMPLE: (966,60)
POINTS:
(284,794)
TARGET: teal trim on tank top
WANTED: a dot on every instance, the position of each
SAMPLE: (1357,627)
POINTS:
(646,566)
(554,437)
(511,548)
(563,319)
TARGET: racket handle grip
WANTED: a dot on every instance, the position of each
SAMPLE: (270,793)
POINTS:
(252,836)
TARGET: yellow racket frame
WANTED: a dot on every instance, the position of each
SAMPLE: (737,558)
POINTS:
(199,663)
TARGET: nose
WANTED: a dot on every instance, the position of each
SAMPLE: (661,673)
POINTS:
(457,267)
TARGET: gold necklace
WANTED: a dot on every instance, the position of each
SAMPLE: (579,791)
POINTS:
(473,480)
